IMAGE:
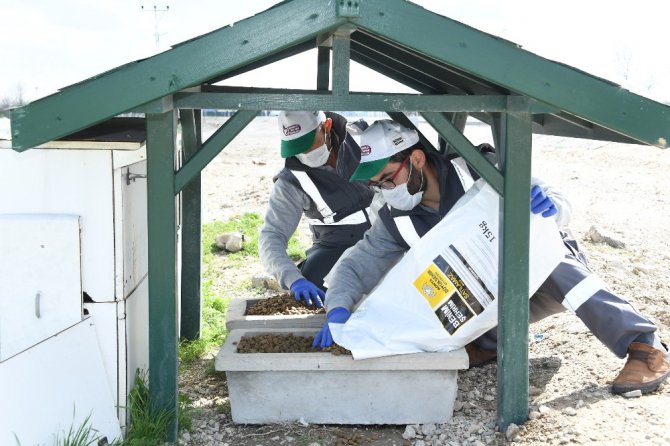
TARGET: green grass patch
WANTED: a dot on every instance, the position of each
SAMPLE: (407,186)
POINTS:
(84,435)
(216,293)
(213,332)
(148,427)
(249,224)
(223,407)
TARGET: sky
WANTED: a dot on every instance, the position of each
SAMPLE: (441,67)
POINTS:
(50,44)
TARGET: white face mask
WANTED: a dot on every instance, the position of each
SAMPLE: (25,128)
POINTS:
(400,198)
(315,158)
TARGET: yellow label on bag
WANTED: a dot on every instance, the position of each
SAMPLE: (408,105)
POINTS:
(433,285)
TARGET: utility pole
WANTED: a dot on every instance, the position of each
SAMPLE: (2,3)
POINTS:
(158,15)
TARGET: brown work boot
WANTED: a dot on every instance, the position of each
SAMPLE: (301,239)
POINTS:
(645,370)
(479,356)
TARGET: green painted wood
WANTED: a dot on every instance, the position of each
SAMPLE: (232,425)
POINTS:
(537,107)
(186,65)
(502,62)
(191,233)
(497,132)
(459,120)
(220,139)
(404,120)
(557,125)
(160,105)
(341,62)
(348,8)
(291,100)
(513,272)
(394,58)
(162,231)
(446,129)
(323,68)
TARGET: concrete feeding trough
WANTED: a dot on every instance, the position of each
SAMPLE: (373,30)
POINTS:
(324,388)
(237,318)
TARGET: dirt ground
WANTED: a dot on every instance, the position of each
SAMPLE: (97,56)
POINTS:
(621,189)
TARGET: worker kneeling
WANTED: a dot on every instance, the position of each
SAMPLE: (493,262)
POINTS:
(441,295)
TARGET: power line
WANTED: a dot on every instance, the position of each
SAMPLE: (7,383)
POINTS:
(158,15)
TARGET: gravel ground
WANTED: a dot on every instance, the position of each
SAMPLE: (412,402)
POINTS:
(620,189)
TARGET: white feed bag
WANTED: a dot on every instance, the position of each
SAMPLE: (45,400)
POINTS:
(442,294)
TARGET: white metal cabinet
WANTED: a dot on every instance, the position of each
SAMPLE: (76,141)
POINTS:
(131,265)
(40,290)
(77,182)
(136,314)
(105,319)
(53,386)
(93,183)
(133,223)
(123,339)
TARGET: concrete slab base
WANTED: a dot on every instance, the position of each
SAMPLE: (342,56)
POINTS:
(324,388)
(237,318)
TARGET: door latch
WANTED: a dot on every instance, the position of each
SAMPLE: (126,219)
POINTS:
(131,177)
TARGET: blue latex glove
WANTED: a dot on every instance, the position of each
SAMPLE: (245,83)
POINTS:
(541,203)
(324,338)
(310,293)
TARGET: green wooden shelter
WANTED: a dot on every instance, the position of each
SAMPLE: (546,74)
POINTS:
(458,72)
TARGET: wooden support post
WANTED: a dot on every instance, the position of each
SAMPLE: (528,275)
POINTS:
(323,68)
(163,342)
(496,133)
(191,231)
(514,229)
(446,129)
(341,61)
(459,120)
(220,139)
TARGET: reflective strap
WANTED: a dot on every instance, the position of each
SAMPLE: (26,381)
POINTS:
(406,229)
(463,173)
(356,218)
(375,206)
(581,292)
(310,189)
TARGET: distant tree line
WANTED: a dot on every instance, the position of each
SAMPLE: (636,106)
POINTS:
(13,99)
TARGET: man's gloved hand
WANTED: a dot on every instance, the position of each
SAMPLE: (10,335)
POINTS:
(310,293)
(324,338)
(541,203)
